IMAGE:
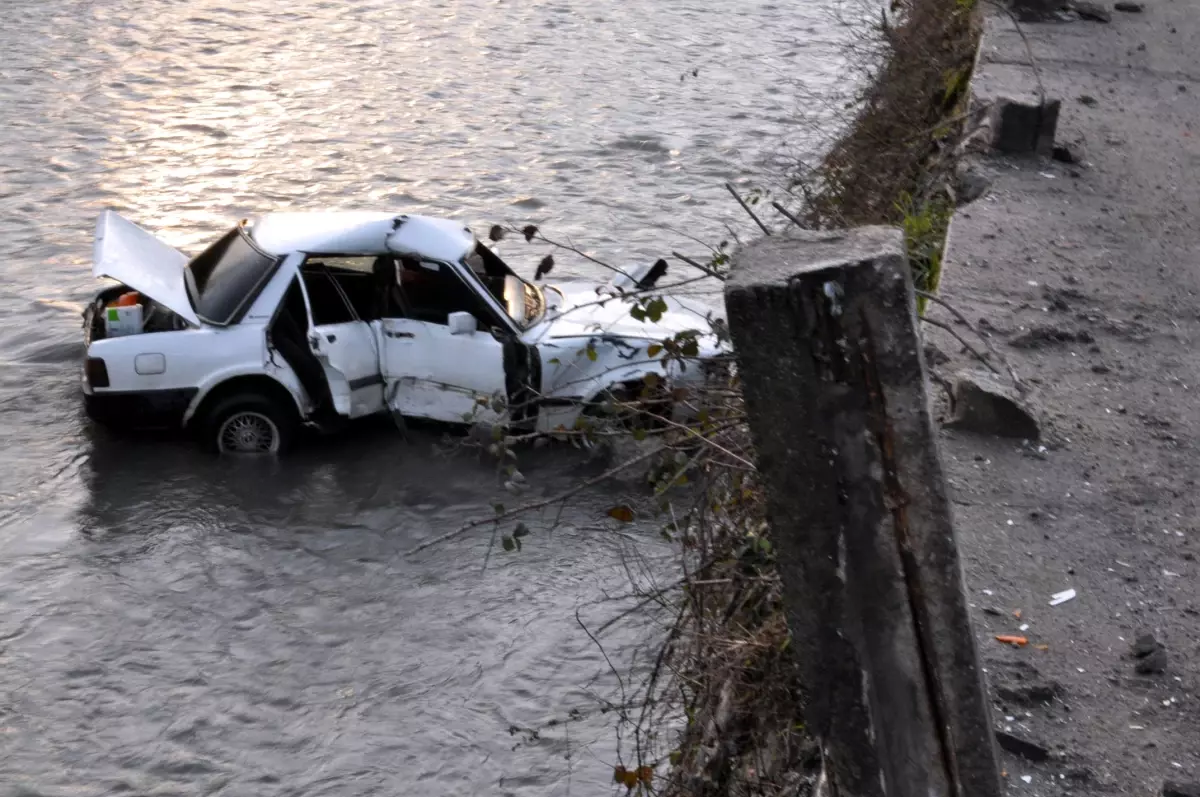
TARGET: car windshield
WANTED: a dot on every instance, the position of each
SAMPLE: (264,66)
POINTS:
(524,302)
(226,277)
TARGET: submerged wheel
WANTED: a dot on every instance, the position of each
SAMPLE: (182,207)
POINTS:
(249,423)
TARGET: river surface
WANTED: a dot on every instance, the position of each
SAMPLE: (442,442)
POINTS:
(171,624)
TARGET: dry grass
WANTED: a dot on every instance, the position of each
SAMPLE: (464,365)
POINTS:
(895,164)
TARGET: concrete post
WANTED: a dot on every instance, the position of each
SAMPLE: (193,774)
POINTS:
(834,382)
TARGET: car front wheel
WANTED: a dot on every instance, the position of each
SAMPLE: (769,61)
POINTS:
(249,424)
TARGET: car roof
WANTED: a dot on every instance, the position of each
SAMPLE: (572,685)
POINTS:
(361,233)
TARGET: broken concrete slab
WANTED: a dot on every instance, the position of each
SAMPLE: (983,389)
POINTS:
(1020,128)
(1031,751)
(986,404)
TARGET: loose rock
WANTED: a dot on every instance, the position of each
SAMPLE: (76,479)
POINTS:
(972,182)
(1018,746)
(1066,153)
(1156,662)
(1173,789)
(1091,11)
(1144,645)
(1036,10)
(1030,694)
(1130,8)
(985,404)
(1038,336)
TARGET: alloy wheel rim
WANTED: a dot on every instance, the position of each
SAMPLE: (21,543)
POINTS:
(248,432)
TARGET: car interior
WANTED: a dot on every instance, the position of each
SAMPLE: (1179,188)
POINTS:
(343,289)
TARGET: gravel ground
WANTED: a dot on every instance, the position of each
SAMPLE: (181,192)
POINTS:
(1086,277)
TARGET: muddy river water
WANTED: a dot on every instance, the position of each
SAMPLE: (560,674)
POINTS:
(171,624)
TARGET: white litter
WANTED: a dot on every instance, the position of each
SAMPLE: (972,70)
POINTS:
(1024,626)
(1027,778)
(1169,574)
(1062,597)
(987,592)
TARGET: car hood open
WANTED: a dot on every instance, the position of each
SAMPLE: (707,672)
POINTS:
(125,252)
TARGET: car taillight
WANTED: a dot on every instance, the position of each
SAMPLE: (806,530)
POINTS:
(96,372)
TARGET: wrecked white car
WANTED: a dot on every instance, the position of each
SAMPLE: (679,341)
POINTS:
(310,319)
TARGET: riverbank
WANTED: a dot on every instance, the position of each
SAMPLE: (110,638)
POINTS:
(1084,275)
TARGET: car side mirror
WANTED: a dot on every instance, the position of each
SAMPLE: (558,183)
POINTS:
(462,323)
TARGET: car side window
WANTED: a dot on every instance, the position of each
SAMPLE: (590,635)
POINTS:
(342,288)
(429,291)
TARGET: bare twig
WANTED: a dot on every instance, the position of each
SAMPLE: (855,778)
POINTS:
(1033,63)
(966,345)
(1012,374)
(789,215)
(766,230)
(696,265)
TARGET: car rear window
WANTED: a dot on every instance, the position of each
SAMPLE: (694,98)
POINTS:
(227,276)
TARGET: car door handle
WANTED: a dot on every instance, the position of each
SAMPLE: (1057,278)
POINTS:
(392,334)
(331,338)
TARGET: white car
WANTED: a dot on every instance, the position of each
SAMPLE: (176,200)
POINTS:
(313,318)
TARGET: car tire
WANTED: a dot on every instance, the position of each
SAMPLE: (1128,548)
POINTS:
(249,424)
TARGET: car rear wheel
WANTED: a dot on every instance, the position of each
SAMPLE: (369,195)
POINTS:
(249,423)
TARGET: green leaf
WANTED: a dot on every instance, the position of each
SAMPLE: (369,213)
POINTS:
(499,508)
(639,434)
(651,380)
(591,352)
(554,361)
(638,313)
(652,351)
(508,542)
(520,531)
(655,309)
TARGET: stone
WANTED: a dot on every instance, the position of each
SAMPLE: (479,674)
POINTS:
(1022,747)
(1036,10)
(935,356)
(1144,645)
(1067,153)
(1094,12)
(1155,663)
(1031,694)
(1174,789)
(1041,335)
(986,405)
(971,182)
(1130,8)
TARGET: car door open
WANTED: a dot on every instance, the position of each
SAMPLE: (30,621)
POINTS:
(340,337)
(439,362)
